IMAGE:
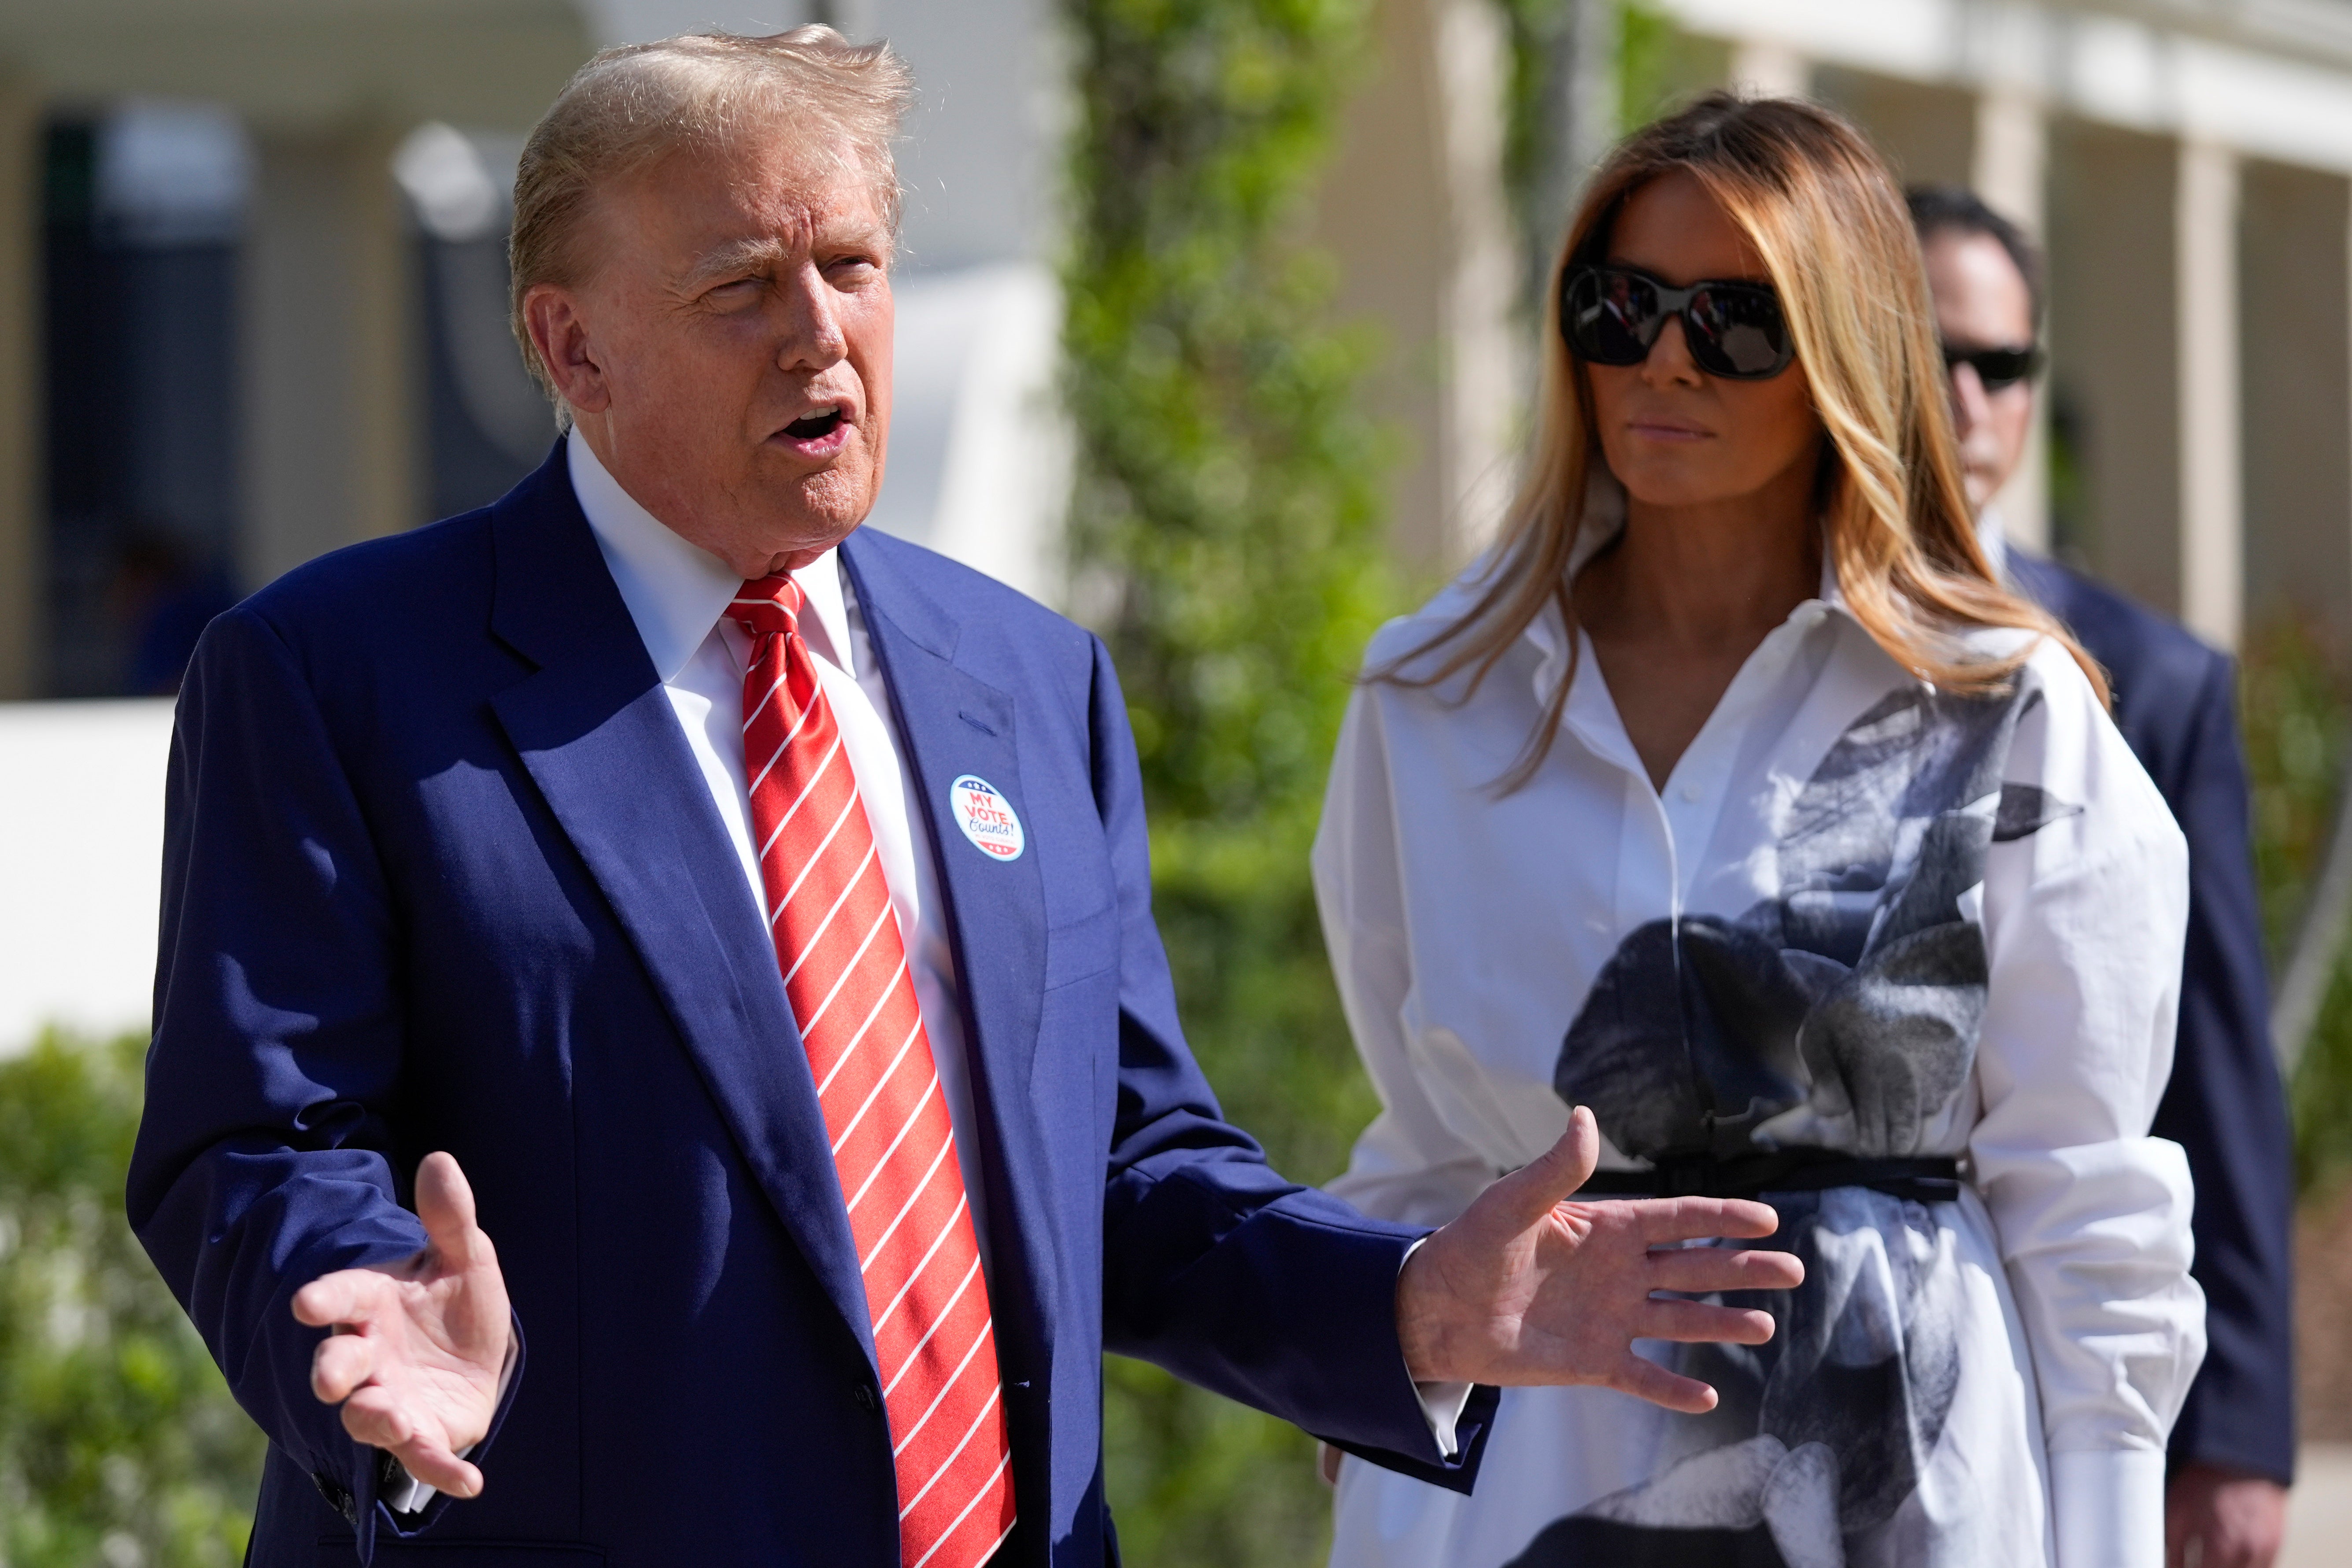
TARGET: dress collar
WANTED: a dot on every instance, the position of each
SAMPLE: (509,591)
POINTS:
(676,591)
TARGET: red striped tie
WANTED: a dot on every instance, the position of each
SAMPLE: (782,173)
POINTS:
(846,975)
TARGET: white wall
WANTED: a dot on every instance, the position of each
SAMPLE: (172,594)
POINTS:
(979,454)
(980,160)
(2273,80)
(980,157)
(81,851)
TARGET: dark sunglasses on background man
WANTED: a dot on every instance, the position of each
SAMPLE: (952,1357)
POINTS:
(1998,369)
(1611,315)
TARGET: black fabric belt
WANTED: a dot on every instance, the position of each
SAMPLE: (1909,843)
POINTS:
(1935,1180)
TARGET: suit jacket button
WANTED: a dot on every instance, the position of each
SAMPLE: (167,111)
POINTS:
(863,1393)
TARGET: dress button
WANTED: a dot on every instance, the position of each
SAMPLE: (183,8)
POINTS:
(1691,791)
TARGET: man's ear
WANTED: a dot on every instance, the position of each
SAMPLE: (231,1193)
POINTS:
(550,314)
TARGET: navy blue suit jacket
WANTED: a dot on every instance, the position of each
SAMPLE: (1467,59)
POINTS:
(441,873)
(2174,702)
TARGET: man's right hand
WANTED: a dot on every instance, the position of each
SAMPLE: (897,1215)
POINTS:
(419,1345)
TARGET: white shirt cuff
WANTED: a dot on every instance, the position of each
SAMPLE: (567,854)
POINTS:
(1442,1404)
(2107,1507)
(404,1493)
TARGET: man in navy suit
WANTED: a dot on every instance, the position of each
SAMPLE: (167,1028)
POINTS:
(470,874)
(2232,1454)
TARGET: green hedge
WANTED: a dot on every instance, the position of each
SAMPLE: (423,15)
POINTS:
(1227,541)
(118,1443)
(2293,695)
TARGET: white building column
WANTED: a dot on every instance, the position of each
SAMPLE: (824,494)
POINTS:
(1766,68)
(2294,289)
(2212,521)
(23,526)
(2115,374)
(1414,201)
(1924,130)
(331,452)
(2008,167)
(1482,377)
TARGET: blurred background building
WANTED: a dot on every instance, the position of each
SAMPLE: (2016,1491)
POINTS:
(253,307)
(254,291)
(251,288)
(252,281)
(2187,164)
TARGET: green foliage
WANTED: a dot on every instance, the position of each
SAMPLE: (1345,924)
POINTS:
(1659,65)
(2321,1094)
(118,1443)
(2291,697)
(1534,27)
(2294,696)
(1226,541)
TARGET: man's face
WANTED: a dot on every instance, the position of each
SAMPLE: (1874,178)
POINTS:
(1982,303)
(728,358)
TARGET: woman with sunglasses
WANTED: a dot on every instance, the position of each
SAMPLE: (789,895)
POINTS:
(1732,796)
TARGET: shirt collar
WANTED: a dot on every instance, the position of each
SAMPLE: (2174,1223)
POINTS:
(676,591)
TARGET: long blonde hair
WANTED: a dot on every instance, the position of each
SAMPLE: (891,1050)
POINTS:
(1837,242)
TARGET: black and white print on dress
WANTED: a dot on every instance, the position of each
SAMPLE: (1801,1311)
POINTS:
(1843,1014)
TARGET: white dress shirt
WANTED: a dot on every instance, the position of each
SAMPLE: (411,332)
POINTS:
(1490,945)
(677,594)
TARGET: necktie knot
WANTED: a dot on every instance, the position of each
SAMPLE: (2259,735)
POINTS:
(766,606)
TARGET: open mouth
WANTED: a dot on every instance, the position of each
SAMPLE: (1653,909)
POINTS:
(814,426)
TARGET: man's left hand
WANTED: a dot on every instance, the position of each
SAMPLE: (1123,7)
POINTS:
(1528,1287)
(2217,1518)
(419,1345)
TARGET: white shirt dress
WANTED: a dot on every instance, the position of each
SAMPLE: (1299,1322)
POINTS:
(1865,916)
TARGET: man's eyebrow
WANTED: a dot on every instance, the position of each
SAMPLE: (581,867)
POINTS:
(873,234)
(741,255)
(758,254)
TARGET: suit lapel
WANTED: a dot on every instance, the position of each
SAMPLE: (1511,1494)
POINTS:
(954,723)
(596,733)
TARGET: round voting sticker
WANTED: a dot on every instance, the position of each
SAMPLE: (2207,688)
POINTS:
(986,817)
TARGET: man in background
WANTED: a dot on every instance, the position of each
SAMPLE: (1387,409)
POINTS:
(2232,1455)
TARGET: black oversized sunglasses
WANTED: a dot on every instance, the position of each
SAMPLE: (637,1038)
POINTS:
(1612,315)
(1998,369)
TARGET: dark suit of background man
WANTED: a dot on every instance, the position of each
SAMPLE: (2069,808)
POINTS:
(2232,1454)
(485,849)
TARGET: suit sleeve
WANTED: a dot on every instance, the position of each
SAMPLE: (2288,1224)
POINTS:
(1214,1267)
(264,1156)
(2225,1106)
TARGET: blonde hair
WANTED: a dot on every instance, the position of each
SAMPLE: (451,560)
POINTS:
(1837,242)
(631,106)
